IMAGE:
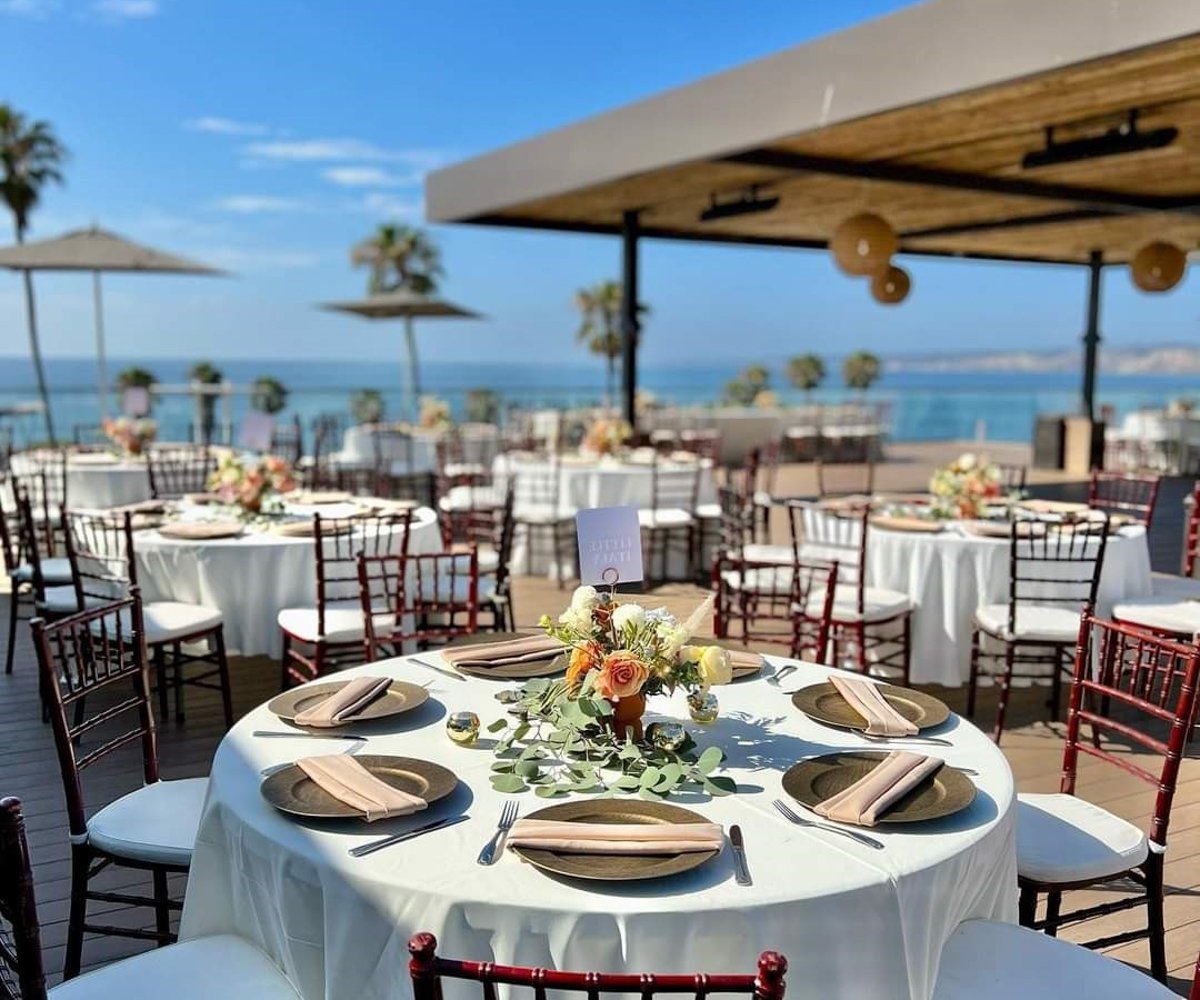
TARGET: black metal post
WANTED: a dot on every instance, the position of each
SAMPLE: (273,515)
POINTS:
(629,315)
(1091,335)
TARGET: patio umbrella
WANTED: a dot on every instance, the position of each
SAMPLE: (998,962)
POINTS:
(97,250)
(406,305)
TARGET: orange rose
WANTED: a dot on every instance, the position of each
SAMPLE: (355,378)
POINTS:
(583,659)
(621,675)
(602,613)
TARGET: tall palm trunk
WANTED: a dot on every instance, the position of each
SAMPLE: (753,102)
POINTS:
(610,385)
(35,349)
(414,371)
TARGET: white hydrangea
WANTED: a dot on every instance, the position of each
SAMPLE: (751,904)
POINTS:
(629,614)
(585,597)
(578,619)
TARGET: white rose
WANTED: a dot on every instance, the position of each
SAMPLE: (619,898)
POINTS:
(968,461)
(585,597)
(716,666)
(673,639)
(578,619)
(629,614)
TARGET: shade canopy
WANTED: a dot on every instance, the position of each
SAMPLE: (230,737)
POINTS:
(399,304)
(924,117)
(96,250)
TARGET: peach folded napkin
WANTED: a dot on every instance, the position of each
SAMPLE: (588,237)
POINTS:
(616,838)
(349,782)
(744,661)
(865,699)
(872,795)
(346,702)
(527,649)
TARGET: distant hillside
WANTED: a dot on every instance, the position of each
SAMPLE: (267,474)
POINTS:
(1165,359)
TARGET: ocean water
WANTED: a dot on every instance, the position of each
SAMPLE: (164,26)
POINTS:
(923,406)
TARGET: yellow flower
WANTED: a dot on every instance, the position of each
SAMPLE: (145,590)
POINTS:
(715,666)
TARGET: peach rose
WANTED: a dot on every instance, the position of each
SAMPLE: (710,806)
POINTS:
(583,659)
(622,675)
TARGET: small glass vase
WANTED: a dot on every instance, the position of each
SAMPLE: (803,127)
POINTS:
(703,707)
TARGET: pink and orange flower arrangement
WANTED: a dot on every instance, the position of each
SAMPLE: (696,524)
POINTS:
(249,484)
(606,436)
(130,434)
(964,488)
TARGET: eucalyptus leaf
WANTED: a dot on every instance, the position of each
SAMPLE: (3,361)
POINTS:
(720,785)
(527,768)
(710,760)
(549,791)
(496,726)
(650,777)
(509,783)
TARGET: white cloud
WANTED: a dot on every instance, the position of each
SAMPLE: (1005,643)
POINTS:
(382,203)
(240,258)
(225,126)
(29,8)
(125,10)
(334,150)
(258,204)
(369,177)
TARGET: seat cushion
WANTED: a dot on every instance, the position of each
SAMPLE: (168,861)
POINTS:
(780,554)
(167,620)
(761,580)
(221,967)
(986,960)
(879,604)
(708,511)
(1182,588)
(343,623)
(1036,622)
(462,498)
(55,572)
(1167,614)
(156,823)
(1063,838)
(59,601)
(536,513)
(665,517)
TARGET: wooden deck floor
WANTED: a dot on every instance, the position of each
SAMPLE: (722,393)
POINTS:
(28,767)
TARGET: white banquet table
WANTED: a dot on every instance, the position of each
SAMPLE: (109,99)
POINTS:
(100,480)
(250,578)
(853,921)
(949,574)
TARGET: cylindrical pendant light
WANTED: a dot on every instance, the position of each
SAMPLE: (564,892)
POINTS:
(891,286)
(863,244)
(1158,266)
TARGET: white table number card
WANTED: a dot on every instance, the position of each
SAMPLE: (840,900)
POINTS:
(256,431)
(610,538)
(135,401)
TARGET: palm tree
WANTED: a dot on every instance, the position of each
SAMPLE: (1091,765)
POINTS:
(400,258)
(743,390)
(204,373)
(268,395)
(30,158)
(861,370)
(600,326)
(806,372)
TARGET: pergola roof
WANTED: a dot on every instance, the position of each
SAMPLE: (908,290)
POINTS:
(923,116)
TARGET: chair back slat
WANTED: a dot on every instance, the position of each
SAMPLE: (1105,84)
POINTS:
(80,657)
(100,549)
(10,524)
(393,450)
(422,598)
(836,534)
(674,484)
(1121,670)
(287,441)
(1192,538)
(178,470)
(22,974)
(339,542)
(1124,493)
(1053,563)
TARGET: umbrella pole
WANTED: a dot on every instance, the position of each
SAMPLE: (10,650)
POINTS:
(101,360)
(414,371)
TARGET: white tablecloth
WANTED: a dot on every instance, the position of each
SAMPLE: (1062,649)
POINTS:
(100,480)
(358,448)
(949,575)
(250,578)
(854,922)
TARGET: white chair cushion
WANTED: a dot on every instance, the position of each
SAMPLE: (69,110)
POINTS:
(781,554)
(1168,614)
(343,623)
(156,823)
(536,513)
(708,511)
(460,498)
(222,967)
(489,559)
(1063,838)
(1036,622)
(59,601)
(986,960)
(879,604)
(763,499)
(762,580)
(54,572)
(666,517)
(1180,587)
(167,620)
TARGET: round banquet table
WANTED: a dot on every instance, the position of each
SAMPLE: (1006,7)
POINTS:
(98,480)
(949,574)
(250,578)
(853,921)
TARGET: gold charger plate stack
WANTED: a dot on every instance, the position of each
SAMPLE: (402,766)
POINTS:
(292,791)
(615,867)
(944,793)
(400,696)
(822,703)
(304,528)
(528,670)
(201,531)
(901,522)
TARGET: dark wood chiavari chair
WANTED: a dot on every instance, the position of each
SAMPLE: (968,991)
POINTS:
(331,634)
(104,568)
(1013,477)
(229,967)
(843,479)
(492,530)
(1125,494)
(428,970)
(287,441)
(1054,572)
(1191,544)
(669,523)
(426,598)
(765,465)
(43,479)
(1130,685)
(178,470)
(541,514)
(393,450)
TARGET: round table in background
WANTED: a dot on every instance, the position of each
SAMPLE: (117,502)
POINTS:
(97,480)
(854,922)
(250,578)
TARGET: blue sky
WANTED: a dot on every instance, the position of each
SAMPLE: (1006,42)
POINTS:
(266,136)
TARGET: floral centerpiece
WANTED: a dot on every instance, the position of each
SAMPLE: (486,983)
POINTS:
(584,732)
(964,487)
(130,434)
(606,436)
(251,485)
(435,414)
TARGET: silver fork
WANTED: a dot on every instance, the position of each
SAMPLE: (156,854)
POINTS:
(933,741)
(790,814)
(508,816)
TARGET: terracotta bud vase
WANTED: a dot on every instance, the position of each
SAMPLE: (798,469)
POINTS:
(626,720)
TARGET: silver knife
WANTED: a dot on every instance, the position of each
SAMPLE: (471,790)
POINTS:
(741,869)
(441,670)
(397,838)
(303,735)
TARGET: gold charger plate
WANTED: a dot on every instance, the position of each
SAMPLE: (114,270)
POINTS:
(944,793)
(823,703)
(1053,506)
(917,525)
(988,529)
(199,499)
(401,696)
(615,867)
(317,498)
(513,672)
(294,792)
(201,531)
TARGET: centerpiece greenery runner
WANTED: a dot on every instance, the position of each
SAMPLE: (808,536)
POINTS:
(583,733)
